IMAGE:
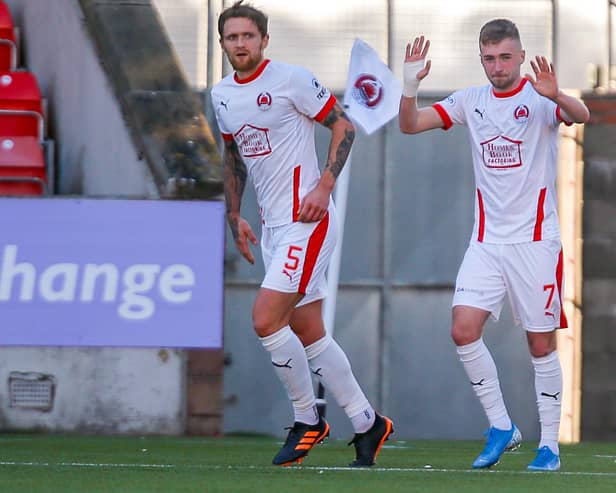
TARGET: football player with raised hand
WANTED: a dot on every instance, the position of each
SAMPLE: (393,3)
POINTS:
(266,112)
(515,247)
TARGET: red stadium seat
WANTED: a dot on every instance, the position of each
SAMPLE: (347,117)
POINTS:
(21,105)
(26,157)
(8,41)
(22,167)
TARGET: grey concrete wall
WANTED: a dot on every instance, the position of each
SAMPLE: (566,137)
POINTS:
(599,288)
(110,390)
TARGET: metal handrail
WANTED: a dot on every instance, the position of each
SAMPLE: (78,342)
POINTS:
(13,48)
(26,179)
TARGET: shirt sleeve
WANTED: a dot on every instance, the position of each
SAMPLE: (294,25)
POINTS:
(309,96)
(216,100)
(451,110)
(560,119)
(552,113)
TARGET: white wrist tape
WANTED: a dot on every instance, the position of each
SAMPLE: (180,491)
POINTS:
(409,78)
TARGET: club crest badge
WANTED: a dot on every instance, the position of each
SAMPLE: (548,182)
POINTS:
(368,91)
(264,101)
(521,113)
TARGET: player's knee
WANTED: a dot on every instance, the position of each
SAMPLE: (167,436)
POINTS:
(467,324)
(539,351)
(264,323)
(541,347)
(463,334)
(459,336)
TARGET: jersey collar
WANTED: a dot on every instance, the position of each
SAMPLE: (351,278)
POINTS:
(252,77)
(513,92)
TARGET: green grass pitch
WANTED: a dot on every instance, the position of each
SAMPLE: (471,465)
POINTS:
(33,463)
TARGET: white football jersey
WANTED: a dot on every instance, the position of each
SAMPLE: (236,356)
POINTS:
(514,140)
(271,115)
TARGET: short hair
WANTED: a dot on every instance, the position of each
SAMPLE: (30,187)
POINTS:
(240,9)
(496,30)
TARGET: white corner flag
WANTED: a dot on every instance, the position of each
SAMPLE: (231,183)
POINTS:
(371,99)
(372,95)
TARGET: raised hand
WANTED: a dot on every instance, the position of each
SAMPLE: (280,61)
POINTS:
(417,53)
(545,82)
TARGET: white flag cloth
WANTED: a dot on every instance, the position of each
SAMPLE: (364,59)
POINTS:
(372,95)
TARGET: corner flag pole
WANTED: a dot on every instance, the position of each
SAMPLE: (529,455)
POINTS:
(333,270)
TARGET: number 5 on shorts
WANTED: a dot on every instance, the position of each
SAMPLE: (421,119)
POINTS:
(292,257)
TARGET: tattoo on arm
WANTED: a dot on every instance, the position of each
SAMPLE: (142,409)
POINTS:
(342,152)
(339,150)
(235,175)
(334,114)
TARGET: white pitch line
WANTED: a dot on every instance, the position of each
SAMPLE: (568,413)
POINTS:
(462,471)
(320,470)
(86,464)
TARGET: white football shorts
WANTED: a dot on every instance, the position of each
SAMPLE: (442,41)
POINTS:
(296,256)
(530,273)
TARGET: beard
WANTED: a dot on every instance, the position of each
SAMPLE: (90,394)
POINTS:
(247,63)
(502,82)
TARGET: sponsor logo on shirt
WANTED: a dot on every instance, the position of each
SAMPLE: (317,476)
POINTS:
(469,290)
(264,101)
(321,91)
(253,141)
(501,152)
(368,91)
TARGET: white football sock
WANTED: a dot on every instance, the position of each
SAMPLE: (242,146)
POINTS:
(328,361)
(481,371)
(549,387)
(289,360)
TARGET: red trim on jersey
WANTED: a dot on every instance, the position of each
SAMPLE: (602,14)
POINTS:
(325,110)
(227,137)
(540,216)
(252,77)
(317,238)
(510,93)
(482,217)
(296,176)
(559,282)
(560,118)
(447,123)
